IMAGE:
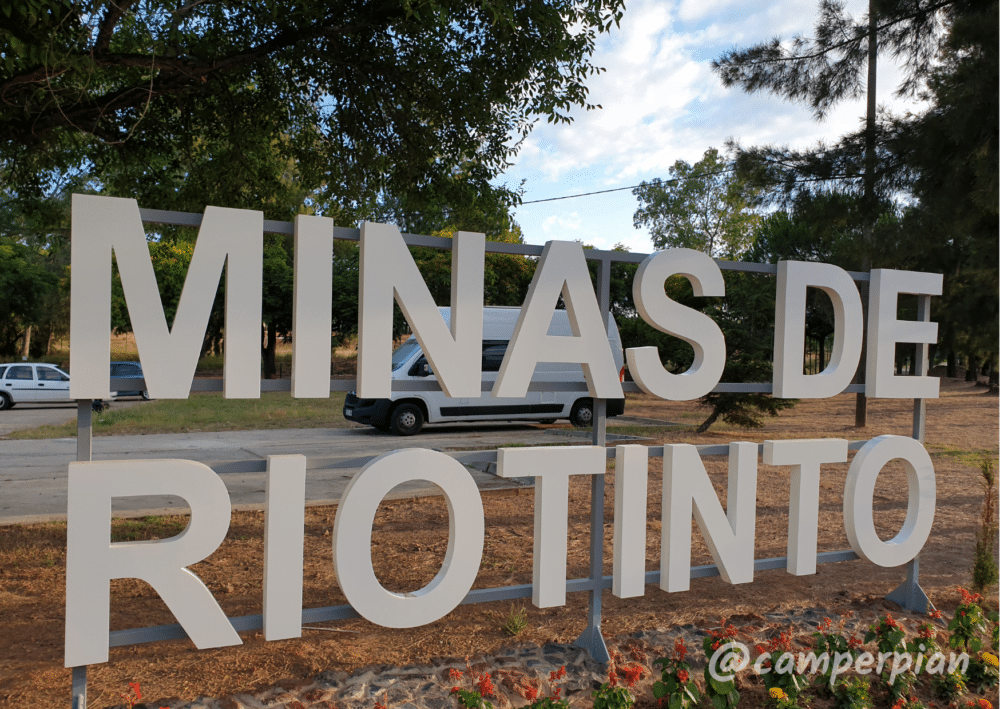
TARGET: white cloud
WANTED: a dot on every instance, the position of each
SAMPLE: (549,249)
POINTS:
(662,103)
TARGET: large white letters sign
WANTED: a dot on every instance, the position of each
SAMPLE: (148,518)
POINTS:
(233,239)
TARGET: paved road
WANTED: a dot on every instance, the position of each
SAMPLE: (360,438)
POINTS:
(33,473)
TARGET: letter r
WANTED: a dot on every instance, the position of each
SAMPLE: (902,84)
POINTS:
(92,560)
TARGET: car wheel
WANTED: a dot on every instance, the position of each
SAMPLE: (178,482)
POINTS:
(582,414)
(406,420)
(5,401)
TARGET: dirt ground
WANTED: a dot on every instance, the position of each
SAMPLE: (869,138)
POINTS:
(408,547)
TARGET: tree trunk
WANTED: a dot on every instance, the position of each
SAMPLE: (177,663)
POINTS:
(26,343)
(972,371)
(952,364)
(269,350)
(869,204)
(712,418)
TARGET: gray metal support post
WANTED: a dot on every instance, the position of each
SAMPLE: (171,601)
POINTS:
(920,367)
(591,638)
(908,594)
(83,429)
(80,687)
(84,451)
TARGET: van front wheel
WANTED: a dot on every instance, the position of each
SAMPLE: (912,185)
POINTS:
(406,420)
(582,414)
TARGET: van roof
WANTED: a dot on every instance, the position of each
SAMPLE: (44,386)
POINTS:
(499,322)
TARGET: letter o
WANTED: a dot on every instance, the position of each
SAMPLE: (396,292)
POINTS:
(859,492)
(352,538)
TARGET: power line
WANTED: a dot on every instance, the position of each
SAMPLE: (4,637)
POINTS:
(673,180)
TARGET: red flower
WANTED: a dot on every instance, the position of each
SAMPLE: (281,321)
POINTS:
(680,649)
(455,689)
(135,688)
(935,613)
(555,694)
(454,674)
(715,645)
(854,642)
(485,685)
(631,674)
(682,676)
(530,693)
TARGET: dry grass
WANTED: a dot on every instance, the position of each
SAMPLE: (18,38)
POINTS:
(408,547)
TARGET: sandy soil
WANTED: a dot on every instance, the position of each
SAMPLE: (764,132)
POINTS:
(408,547)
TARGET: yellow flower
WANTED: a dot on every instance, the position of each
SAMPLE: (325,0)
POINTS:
(778,693)
(990,659)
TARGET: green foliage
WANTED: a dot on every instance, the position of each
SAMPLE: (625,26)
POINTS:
(852,693)
(722,694)
(832,643)
(948,686)
(361,98)
(612,697)
(984,563)
(515,621)
(676,688)
(702,206)
(25,284)
(968,624)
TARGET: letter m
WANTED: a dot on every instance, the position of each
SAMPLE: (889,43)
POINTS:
(230,238)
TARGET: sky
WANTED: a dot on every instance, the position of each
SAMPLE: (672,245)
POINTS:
(661,102)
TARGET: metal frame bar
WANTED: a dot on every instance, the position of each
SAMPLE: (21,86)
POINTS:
(908,594)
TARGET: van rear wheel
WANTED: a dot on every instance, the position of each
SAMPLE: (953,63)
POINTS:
(406,420)
(582,414)
(5,401)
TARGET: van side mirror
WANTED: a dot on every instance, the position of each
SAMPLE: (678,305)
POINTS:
(425,370)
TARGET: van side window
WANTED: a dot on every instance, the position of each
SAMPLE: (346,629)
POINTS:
(2,370)
(493,353)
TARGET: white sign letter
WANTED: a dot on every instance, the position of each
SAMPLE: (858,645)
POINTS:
(387,268)
(805,457)
(352,538)
(92,560)
(794,277)
(551,468)
(729,536)
(561,269)
(859,492)
(884,331)
(631,478)
(311,307)
(284,523)
(233,238)
(697,329)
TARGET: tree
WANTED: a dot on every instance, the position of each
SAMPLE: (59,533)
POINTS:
(702,206)
(365,97)
(24,284)
(951,150)
(829,68)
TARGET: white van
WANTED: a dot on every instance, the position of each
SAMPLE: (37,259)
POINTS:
(405,413)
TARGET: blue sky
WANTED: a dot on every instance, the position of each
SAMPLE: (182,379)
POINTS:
(662,103)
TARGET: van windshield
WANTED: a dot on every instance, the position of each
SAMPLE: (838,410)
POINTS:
(403,353)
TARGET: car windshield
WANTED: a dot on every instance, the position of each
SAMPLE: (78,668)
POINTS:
(403,353)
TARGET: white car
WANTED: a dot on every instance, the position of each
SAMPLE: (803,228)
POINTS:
(29,382)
